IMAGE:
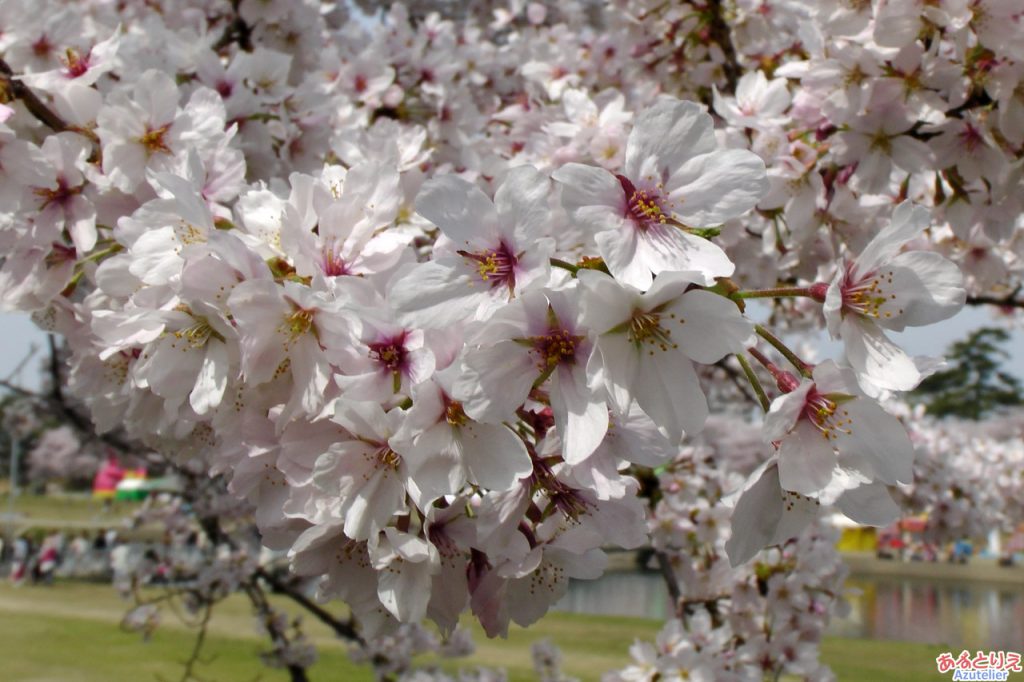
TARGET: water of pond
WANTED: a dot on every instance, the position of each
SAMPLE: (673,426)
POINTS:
(959,615)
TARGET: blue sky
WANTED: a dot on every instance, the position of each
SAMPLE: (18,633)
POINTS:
(19,333)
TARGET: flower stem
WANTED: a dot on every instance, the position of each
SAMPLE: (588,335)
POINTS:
(565,265)
(777,292)
(777,344)
(103,253)
(755,383)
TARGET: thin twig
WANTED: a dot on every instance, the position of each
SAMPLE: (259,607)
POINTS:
(197,648)
(1010,301)
(344,629)
(777,343)
(669,574)
(18,90)
(755,383)
(734,376)
(279,638)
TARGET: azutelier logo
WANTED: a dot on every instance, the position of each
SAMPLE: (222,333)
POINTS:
(981,667)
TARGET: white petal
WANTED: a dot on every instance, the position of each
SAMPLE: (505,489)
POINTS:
(404,590)
(435,463)
(784,412)
(870,504)
(212,379)
(879,437)
(672,132)
(584,186)
(907,222)
(806,460)
(709,327)
(873,356)
(497,381)
(663,248)
(494,456)
(928,288)
(522,203)
(436,294)
(669,391)
(716,187)
(619,249)
(604,302)
(756,516)
(460,209)
(582,415)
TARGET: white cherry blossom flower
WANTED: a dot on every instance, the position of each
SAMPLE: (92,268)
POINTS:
(141,129)
(535,338)
(884,289)
(494,250)
(767,514)
(674,178)
(825,427)
(647,343)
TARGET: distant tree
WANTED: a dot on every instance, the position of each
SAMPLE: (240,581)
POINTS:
(975,385)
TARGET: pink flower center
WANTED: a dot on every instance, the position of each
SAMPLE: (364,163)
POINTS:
(869,294)
(333,264)
(74,65)
(388,459)
(496,267)
(390,353)
(60,254)
(554,348)
(59,196)
(826,414)
(970,138)
(153,140)
(42,47)
(645,206)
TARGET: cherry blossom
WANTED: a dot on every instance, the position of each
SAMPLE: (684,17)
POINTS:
(443,301)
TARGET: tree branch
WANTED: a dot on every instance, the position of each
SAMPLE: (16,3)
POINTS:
(1010,301)
(344,629)
(669,574)
(237,31)
(18,90)
(720,32)
(279,638)
(197,647)
(58,403)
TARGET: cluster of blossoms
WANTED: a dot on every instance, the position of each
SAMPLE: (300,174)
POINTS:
(967,476)
(756,621)
(58,455)
(428,294)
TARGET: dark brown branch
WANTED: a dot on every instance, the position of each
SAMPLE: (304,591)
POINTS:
(737,379)
(237,31)
(259,601)
(11,88)
(58,403)
(344,629)
(720,33)
(15,89)
(1010,301)
(669,574)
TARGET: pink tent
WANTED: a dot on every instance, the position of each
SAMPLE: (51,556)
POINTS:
(104,485)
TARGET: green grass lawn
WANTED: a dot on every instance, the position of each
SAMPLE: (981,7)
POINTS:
(77,508)
(70,633)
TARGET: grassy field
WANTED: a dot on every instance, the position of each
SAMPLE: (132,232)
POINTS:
(70,633)
(75,508)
